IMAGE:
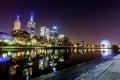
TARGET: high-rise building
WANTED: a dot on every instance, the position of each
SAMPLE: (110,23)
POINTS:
(53,32)
(42,31)
(31,26)
(47,33)
(17,24)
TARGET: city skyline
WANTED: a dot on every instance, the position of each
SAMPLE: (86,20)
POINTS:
(91,21)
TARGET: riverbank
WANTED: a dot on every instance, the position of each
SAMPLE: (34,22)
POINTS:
(93,70)
(67,47)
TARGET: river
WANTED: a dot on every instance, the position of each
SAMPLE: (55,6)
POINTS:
(30,63)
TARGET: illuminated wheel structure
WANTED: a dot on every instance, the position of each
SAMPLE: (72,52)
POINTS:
(105,43)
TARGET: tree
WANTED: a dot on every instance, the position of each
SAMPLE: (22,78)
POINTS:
(66,41)
(115,48)
(26,36)
(21,36)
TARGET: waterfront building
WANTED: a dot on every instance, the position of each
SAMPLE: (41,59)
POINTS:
(17,24)
(5,36)
(31,26)
(82,43)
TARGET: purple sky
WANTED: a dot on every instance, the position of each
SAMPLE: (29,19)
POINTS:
(88,20)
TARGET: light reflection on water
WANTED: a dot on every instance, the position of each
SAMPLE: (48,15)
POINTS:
(105,52)
(24,60)
(4,59)
(41,59)
(84,51)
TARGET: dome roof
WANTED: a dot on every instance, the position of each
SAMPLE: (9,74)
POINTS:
(4,35)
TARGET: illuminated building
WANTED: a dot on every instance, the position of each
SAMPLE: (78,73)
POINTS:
(82,43)
(53,32)
(47,33)
(61,36)
(17,24)
(31,26)
(42,31)
(5,36)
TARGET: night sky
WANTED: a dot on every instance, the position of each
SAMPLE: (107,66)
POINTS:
(88,20)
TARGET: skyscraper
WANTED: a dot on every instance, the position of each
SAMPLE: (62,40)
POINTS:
(31,26)
(42,31)
(17,24)
(53,32)
(47,33)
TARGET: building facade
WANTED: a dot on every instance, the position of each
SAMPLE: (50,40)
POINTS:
(31,26)
(47,33)
(17,24)
(53,32)
(42,31)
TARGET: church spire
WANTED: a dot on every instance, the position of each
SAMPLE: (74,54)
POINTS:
(17,24)
(31,26)
(18,17)
(31,17)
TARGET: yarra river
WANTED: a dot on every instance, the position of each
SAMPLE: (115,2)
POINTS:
(30,63)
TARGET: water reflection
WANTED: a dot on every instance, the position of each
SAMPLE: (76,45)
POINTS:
(31,63)
(27,78)
(84,51)
(54,69)
(6,59)
(29,60)
(105,52)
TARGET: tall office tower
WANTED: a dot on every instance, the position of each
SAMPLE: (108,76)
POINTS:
(17,24)
(47,33)
(31,26)
(42,31)
(53,32)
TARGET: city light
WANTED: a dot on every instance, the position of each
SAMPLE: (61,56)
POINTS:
(54,69)
(105,52)
(54,27)
(4,59)
(105,44)
(18,16)
(31,17)
(27,77)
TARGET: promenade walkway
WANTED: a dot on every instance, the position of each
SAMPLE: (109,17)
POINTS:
(102,69)
(112,72)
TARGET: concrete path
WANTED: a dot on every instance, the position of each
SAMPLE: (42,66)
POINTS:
(111,73)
